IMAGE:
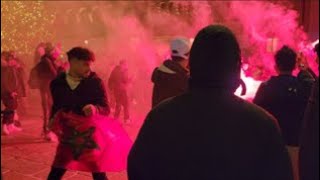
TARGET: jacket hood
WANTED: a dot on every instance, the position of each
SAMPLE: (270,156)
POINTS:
(167,69)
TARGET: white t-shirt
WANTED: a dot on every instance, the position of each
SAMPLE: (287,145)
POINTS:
(72,81)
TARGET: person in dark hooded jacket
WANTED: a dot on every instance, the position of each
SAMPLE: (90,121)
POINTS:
(208,133)
(306,76)
(171,78)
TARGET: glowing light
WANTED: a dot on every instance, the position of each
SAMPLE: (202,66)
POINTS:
(252,87)
(24,24)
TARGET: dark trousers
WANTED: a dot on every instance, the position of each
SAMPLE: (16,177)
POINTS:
(11,104)
(121,98)
(57,173)
(46,103)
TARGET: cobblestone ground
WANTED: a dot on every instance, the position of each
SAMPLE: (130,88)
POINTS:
(26,156)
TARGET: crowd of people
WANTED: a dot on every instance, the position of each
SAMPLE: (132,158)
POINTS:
(197,128)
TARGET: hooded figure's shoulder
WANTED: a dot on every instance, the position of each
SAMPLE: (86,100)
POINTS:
(168,106)
(168,70)
(256,115)
(160,73)
(236,109)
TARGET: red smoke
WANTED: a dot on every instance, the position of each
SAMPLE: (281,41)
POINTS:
(141,36)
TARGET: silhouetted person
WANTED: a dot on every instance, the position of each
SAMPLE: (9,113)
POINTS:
(306,76)
(209,133)
(118,84)
(42,75)
(309,146)
(283,96)
(21,91)
(171,78)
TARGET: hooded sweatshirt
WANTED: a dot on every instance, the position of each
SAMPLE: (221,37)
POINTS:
(170,79)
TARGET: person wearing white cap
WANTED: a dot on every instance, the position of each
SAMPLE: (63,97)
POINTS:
(171,78)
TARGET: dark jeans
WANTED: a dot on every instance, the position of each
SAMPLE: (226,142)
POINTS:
(57,173)
(121,98)
(11,104)
(46,103)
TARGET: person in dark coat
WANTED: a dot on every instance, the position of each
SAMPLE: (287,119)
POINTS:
(12,86)
(309,145)
(306,76)
(79,91)
(118,84)
(284,97)
(21,91)
(171,78)
(208,132)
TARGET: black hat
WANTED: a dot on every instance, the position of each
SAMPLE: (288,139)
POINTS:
(215,59)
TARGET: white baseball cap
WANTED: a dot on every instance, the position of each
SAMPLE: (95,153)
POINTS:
(180,47)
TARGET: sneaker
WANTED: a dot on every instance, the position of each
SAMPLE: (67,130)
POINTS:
(14,128)
(16,120)
(50,136)
(5,130)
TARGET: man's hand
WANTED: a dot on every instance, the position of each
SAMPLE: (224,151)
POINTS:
(89,110)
